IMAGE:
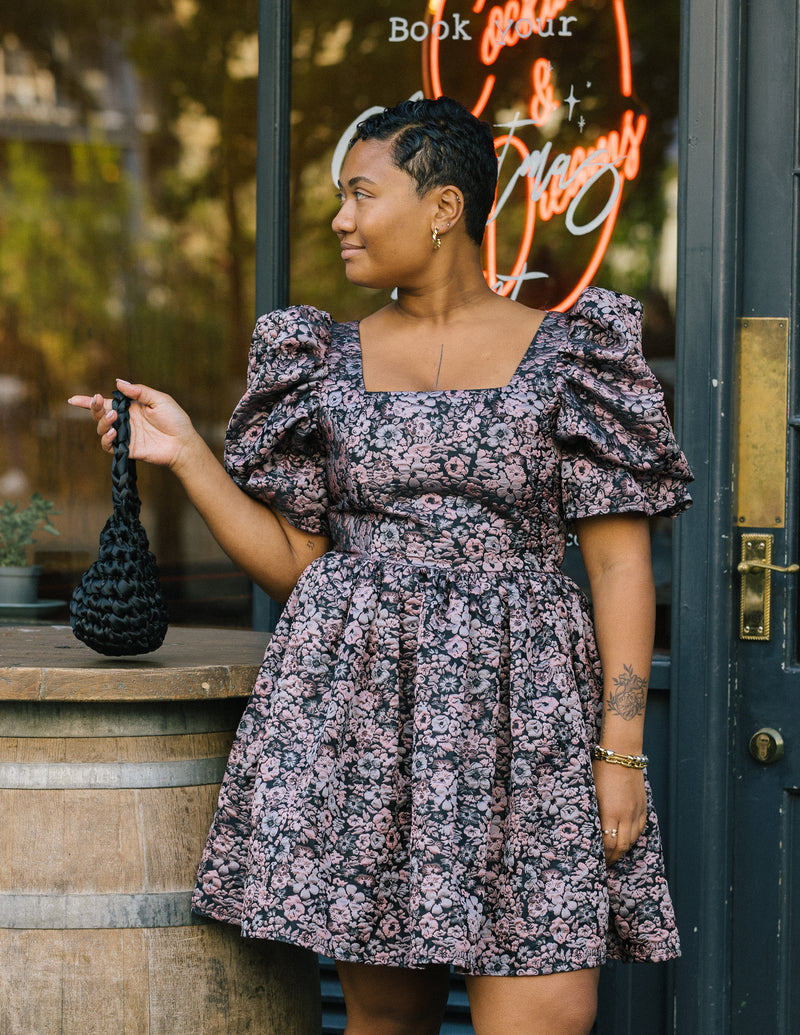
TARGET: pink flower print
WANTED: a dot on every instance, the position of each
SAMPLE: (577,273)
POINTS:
(453,729)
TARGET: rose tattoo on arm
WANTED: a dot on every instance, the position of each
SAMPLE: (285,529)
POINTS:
(629,695)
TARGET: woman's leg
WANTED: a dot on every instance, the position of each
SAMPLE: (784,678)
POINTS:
(393,1000)
(551,1004)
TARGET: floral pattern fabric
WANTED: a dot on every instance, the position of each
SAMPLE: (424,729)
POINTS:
(411,782)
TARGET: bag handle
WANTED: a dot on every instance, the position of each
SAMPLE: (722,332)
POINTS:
(124,493)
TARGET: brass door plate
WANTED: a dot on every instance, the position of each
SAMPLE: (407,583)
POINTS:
(756,588)
(763,347)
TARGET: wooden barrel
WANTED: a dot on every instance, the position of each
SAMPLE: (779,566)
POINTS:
(106,805)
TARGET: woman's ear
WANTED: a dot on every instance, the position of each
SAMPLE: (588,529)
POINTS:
(450,207)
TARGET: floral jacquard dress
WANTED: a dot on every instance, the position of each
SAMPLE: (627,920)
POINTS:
(411,782)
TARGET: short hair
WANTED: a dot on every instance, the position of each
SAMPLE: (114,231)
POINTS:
(438,141)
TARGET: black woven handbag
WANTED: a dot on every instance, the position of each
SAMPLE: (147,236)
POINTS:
(118,608)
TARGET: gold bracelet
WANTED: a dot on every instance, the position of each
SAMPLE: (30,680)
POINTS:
(629,761)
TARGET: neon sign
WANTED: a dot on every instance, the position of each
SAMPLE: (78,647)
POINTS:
(555,183)
(527,59)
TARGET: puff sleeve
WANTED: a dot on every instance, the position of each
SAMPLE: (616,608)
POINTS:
(274,448)
(617,449)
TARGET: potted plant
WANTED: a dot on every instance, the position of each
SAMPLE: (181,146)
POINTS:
(19,581)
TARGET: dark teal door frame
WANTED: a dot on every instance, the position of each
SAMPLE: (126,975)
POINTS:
(731,867)
(272,199)
(709,217)
(274,122)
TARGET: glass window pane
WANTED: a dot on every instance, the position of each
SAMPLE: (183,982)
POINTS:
(127,221)
(583,99)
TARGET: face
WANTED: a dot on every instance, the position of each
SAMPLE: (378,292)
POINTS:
(383,225)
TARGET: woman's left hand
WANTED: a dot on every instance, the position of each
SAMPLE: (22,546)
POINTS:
(622,802)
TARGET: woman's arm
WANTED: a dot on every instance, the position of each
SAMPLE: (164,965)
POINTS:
(259,540)
(616,554)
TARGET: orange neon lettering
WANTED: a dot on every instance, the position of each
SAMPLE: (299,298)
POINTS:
(566,178)
(433,81)
(596,259)
(542,104)
(625,78)
(557,190)
(518,20)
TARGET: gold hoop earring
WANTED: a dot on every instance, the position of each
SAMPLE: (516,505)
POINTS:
(437,241)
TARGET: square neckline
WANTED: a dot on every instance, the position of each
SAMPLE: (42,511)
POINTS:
(442,391)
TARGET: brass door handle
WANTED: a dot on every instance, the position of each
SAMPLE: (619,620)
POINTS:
(745,566)
(755,570)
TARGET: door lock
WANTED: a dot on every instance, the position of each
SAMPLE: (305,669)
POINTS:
(766,745)
(756,570)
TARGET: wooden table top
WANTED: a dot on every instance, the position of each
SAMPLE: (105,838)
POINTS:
(48,663)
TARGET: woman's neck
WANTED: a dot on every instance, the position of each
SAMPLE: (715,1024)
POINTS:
(444,302)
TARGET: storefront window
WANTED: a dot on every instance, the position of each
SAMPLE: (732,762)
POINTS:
(582,96)
(127,214)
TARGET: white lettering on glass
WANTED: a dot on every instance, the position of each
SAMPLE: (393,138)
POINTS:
(400,30)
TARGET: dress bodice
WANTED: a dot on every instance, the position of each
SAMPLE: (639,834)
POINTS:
(486,477)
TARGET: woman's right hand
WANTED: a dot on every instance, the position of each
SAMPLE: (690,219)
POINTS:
(161,432)
(258,540)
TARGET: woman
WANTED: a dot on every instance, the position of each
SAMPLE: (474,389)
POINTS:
(413,783)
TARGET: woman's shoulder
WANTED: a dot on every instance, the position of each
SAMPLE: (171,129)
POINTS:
(293,324)
(603,324)
(289,345)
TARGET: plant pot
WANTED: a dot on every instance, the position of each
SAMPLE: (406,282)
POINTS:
(19,585)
